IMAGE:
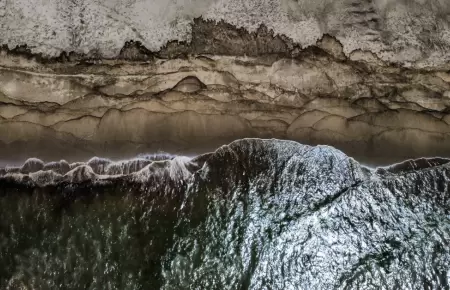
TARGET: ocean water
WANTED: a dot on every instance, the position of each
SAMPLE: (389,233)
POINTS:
(254,214)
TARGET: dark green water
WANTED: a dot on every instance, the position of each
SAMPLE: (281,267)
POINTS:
(257,214)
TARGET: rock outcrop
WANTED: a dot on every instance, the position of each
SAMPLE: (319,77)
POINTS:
(223,83)
(195,97)
(409,32)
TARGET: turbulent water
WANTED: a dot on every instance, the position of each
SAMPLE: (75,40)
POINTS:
(255,214)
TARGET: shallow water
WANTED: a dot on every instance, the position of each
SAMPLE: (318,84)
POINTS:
(256,214)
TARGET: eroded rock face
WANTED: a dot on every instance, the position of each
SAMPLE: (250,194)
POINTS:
(196,96)
(409,32)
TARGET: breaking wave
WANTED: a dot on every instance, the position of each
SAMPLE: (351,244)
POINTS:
(254,214)
(37,173)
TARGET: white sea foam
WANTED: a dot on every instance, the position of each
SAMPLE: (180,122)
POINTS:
(138,169)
